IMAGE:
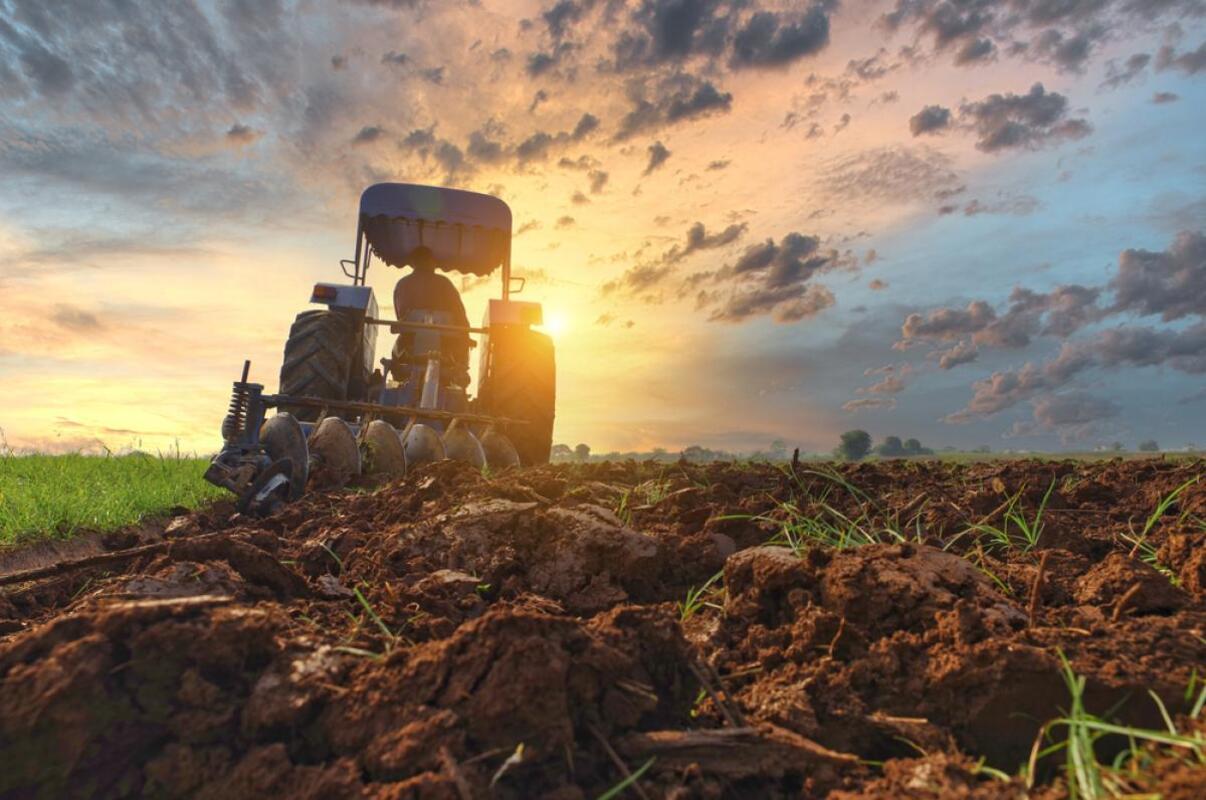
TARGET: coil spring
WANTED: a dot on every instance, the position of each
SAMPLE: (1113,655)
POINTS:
(235,420)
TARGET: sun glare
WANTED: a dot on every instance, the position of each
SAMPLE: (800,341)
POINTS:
(555,324)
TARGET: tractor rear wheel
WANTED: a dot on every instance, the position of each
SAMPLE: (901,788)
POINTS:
(321,355)
(522,385)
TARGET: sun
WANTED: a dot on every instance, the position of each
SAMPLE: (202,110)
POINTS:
(555,324)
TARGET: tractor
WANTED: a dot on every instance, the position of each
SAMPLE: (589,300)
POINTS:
(340,414)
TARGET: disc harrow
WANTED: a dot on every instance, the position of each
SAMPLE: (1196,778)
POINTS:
(268,461)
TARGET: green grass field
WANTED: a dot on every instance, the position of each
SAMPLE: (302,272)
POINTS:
(59,496)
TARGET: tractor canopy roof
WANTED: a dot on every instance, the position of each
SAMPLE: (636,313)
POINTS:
(466,231)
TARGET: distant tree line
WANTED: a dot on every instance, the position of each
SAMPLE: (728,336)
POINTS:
(856,445)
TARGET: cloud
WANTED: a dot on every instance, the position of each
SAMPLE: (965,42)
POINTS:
(1075,416)
(1006,121)
(868,403)
(892,382)
(240,135)
(1020,205)
(1160,98)
(1170,283)
(75,319)
(598,179)
(771,40)
(1060,312)
(772,279)
(640,281)
(677,98)
(586,125)
(566,222)
(579,199)
(1131,69)
(671,32)
(1073,408)
(930,119)
(961,353)
(892,175)
(643,279)
(715,166)
(1191,62)
(657,156)
(975,51)
(368,134)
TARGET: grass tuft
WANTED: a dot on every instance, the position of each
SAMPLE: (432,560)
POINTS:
(1087,778)
(44,496)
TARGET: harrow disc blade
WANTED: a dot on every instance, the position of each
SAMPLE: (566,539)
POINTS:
(499,451)
(384,454)
(461,445)
(422,445)
(282,437)
(335,452)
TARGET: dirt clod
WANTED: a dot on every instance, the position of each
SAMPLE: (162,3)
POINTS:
(546,632)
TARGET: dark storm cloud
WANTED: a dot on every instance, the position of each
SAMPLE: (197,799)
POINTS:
(1005,121)
(1171,283)
(930,120)
(657,156)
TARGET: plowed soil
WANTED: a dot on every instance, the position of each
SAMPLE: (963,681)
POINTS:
(546,632)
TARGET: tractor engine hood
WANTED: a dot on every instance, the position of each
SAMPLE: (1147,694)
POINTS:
(466,231)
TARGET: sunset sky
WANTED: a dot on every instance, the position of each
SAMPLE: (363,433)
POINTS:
(975,222)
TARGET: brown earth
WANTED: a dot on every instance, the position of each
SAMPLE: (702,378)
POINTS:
(449,635)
